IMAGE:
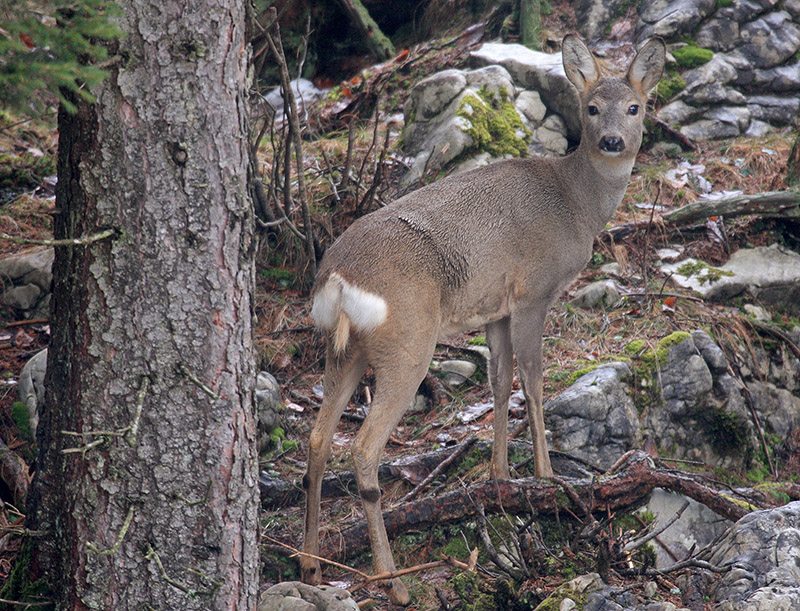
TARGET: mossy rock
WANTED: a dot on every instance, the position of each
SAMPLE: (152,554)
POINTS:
(692,56)
(494,124)
(669,87)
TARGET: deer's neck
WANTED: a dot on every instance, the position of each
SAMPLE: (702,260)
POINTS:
(598,183)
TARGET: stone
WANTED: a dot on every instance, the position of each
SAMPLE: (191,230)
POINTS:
(578,587)
(758,129)
(595,418)
(650,589)
(769,40)
(793,8)
(437,142)
(738,116)
(698,525)
(746,10)
(776,109)
(21,297)
(780,79)
(601,293)
(268,402)
(30,387)
(669,18)
(298,596)
(678,112)
(769,273)
(718,34)
(763,548)
(493,79)
(536,71)
(757,312)
(712,354)
(709,129)
(35,262)
(550,138)
(304,90)
(697,415)
(778,407)
(530,105)
(457,371)
(430,96)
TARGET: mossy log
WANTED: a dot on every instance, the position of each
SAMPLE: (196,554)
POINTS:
(377,42)
(627,487)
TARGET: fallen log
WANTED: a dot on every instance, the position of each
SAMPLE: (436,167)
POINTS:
(773,204)
(628,487)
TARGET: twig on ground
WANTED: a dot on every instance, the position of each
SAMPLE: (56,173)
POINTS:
(443,466)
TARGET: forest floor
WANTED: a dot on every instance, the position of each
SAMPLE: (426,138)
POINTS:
(288,347)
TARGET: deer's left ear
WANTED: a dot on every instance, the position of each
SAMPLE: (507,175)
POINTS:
(647,67)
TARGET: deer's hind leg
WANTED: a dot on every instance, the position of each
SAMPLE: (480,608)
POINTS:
(342,374)
(397,380)
(501,374)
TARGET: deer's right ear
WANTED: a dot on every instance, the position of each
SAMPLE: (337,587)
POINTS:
(579,63)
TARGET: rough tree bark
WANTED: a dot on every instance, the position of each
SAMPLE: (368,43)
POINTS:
(146,485)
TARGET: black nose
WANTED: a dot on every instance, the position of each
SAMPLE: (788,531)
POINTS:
(612,145)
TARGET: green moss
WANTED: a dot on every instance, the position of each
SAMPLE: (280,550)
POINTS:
(724,3)
(494,124)
(579,373)
(692,56)
(478,340)
(669,86)
(469,587)
(284,277)
(703,271)
(757,473)
(19,412)
(727,432)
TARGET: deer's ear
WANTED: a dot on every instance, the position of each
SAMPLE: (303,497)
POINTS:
(648,65)
(580,65)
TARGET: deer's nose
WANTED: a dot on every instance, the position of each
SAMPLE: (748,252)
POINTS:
(612,144)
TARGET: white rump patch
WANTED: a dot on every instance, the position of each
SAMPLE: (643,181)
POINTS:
(366,311)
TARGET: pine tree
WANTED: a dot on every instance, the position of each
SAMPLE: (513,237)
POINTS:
(53,47)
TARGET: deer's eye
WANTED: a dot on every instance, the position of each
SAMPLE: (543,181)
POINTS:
(593,110)
(633,109)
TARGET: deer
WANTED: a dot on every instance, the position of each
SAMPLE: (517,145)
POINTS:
(492,247)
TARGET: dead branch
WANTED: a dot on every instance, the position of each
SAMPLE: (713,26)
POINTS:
(443,466)
(623,489)
(774,204)
(637,543)
(290,107)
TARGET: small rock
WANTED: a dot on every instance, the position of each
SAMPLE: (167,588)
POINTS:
(493,79)
(567,605)
(21,297)
(530,104)
(602,293)
(297,596)
(757,312)
(457,372)
(650,589)
(431,95)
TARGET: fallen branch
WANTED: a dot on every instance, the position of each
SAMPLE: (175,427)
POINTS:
(624,489)
(780,204)
(443,466)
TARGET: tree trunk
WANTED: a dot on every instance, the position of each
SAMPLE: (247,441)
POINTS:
(146,483)
(377,42)
(530,23)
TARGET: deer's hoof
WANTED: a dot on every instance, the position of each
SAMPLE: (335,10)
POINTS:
(397,591)
(310,571)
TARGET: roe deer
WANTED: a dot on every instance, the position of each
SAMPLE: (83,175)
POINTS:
(494,246)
